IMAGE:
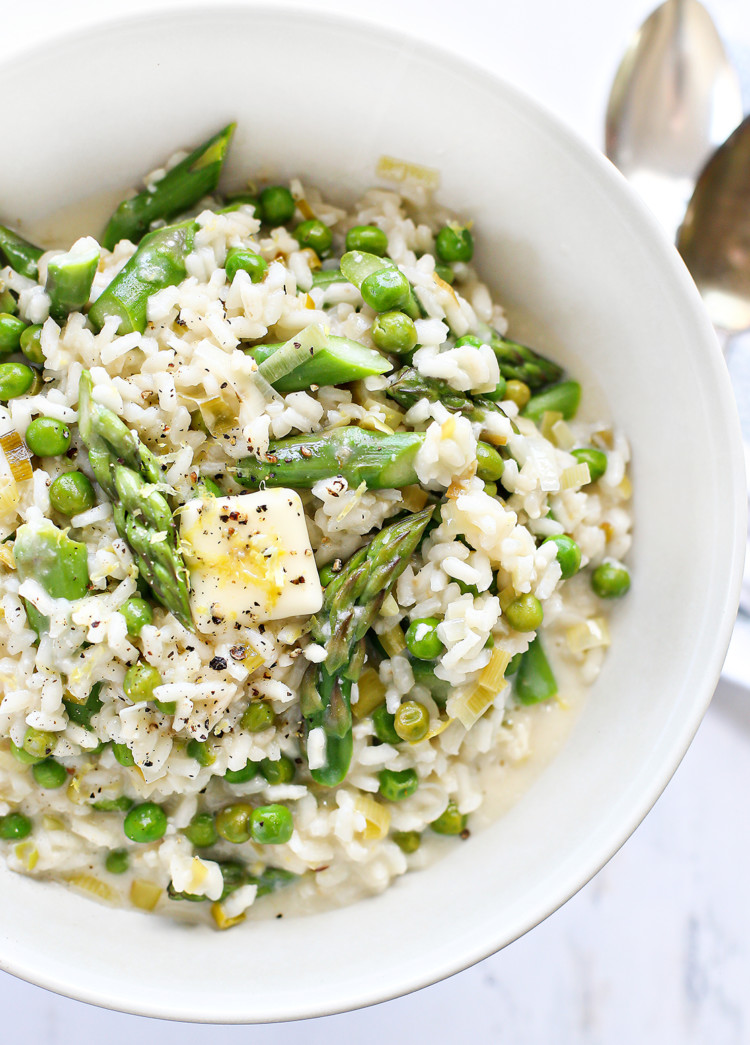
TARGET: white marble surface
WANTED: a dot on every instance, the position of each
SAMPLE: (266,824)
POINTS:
(655,950)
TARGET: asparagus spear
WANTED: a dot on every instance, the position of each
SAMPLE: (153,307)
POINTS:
(564,398)
(159,262)
(520,363)
(409,387)
(340,361)
(22,256)
(69,278)
(47,555)
(382,462)
(127,471)
(189,181)
(352,601)
(534,679)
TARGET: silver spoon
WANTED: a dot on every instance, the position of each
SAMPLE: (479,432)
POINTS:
(674,99)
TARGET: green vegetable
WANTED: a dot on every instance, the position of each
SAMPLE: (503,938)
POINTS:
(241,776)
(19,254)
(383,723)
(395,786)
(534,678)
(610,580)
(49,774)
(82,714)
(563,398)
(446,273)
(71,493)
(16,380)
(424,675)
(394,332)
(146,822)
(14,826)
(409,387)
(315,235)
(525,613)
(182,186)
(201,831)
(278,771)
(233,822)
(351,602)
(123,754)
(411,721)
(140,681)
(595,459)
(202,752)
(454,243)
(126,470)
(407,841)
(490,465)
(277,205)
(159,262)
(47,555)
(327,277)
(450,821)
(31,344)
(114,805)
(340,361)
(117,861)
(368,238)
(47,437)
(568,554)
(271,825)
(11,329)
(385,290)
(247,260)
(257,717)
(422,638)
(358,267)
(70,277)
(137,614)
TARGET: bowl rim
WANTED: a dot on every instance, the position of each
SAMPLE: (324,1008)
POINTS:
(125,1000)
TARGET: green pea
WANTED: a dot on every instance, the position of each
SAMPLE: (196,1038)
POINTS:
(257,717)
(140,681)
(31,344)
(247,260)
(233,822)
(385,290)
(327,574)
(610,580)
(49,774)
(525,613)
(121,804)
(422,638)
(117,861)
(368,238)
(491,489)
(316,235)
(137,613)
(201,751)
(279,771)
(382,721)
(146,822)
(15,380)
(14,826)
(38,743)
(272,825)
(595,459)
(411,721)
(11,329)
(407,841)
(424,675)
(23,756)
(490,465)
(446,273)
(395,786)
(568,554)
(454,243)
(123,754)
(201,831)
(167,707)
(518,392)
(72,493)
(394,332)
(241,776)
(277,205)
(450,821)
(469,339)
(500,392)
(8,303)
(47,437)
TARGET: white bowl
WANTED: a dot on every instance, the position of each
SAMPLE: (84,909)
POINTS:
(588,278)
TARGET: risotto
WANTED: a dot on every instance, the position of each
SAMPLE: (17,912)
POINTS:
(298,544)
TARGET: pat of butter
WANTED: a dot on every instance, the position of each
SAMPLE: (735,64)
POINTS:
(249,558)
